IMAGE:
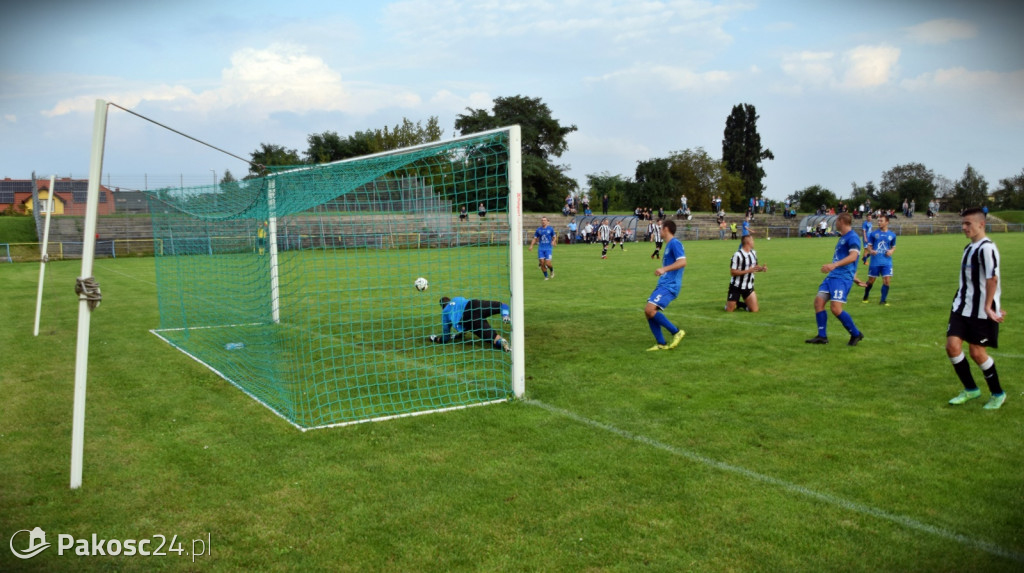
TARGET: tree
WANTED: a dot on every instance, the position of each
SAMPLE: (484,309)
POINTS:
(742,152)
(1010,195)
(269,155)
(811,199)
(545,184)
(909,182)
(329,146)
(655,184)
(408,134)
(971,190)
(616,187)
(863,193)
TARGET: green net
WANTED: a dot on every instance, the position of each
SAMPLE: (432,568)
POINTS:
(298,287)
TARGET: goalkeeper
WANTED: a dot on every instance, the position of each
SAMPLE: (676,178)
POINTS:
(465,315)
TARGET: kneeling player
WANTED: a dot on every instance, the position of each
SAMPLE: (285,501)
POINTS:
(464,315)
(741,286)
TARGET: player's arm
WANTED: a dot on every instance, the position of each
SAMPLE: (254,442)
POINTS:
(853,255)
(679,264)
(532,243)
(991,284)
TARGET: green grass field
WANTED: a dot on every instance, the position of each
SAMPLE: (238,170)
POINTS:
(742,450)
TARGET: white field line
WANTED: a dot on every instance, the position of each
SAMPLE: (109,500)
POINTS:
(856,507)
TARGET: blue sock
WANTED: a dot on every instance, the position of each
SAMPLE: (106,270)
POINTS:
(656,330)
(545,274)
(847,321)
(885,292)
(665,323)
(822,318)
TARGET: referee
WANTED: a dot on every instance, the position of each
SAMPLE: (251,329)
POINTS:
(976,314)
(741,287)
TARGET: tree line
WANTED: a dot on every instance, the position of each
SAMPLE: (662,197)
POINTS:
(735,177)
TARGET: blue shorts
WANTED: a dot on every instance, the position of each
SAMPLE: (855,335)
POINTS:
(836,289)
(544,254)
(661,298)
(880,270)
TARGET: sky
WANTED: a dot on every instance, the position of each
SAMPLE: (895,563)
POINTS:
(844,90)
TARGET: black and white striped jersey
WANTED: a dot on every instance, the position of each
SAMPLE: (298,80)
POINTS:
(979,263)
(741,261)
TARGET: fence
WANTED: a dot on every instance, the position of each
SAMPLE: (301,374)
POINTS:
(61,250)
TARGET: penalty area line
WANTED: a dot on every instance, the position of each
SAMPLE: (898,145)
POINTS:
(856,507)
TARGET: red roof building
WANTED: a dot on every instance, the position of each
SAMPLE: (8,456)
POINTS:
(70,196)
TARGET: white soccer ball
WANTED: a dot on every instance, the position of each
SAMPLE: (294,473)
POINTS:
(421,284)
(768,239)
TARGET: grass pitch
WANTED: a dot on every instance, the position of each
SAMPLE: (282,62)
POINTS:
(744,449)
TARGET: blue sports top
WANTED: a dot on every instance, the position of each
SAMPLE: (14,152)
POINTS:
(451,315)
(545,236)
(847,243)
(881,241)
(672,280)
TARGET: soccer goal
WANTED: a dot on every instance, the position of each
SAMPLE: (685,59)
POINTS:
(297,287)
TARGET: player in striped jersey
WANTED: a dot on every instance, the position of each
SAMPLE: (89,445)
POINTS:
(976,314)
(655,230)
(603,232)
(617,233)
(742,268)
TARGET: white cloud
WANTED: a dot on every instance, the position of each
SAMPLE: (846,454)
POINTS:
(10,118)
(279,78)
(670,77)
(813,68)
(942,31)
(869,66)
(996,91)
(859,68)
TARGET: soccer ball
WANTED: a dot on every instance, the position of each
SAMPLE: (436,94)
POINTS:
(421,284)
(768,239)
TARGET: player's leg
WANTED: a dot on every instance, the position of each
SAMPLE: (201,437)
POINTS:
(838,309)
(820,316)
(551,267)
(871,284)
(886,280)
(475,320)
(987,331)
(604,249)
(751,300)
(962,368)
(732,298)
(657,320)
(542,266)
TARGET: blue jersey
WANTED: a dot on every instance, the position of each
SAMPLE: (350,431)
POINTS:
(451,315)
(881,241)
(847,243)
(545,237)
(672,280)
(867,228)
(746,228)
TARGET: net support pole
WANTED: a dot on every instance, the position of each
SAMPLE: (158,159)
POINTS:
(275,298)
(515,244)
(99,132)
(44,256)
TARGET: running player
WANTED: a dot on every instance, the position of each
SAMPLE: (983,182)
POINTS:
(617,234)
(657,238)
(603,234)
(669,282)
(742,269)
(547,237)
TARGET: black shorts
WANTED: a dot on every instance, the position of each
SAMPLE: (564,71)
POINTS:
(977,331)
(736,293)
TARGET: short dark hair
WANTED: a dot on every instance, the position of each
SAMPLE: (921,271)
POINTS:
(445,300)
(845,217)
(972,211)
(670,225)
(744,238)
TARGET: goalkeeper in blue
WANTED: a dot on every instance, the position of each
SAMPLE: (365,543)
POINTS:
(670,280)
(842,273)
(460,315)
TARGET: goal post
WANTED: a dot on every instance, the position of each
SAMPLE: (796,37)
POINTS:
(297,287)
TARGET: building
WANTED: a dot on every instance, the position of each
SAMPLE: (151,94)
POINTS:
(70,196)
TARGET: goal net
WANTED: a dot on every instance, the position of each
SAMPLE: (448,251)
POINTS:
(297,287)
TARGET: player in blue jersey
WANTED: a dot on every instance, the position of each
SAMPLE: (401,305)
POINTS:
(548,238)
(880,245)
(463,315)
(842,273)
(865,230)
(669,282)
